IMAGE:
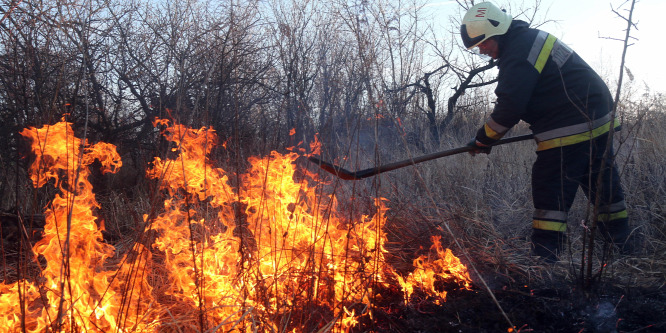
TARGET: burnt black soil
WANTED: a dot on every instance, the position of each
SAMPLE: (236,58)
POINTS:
(606,307)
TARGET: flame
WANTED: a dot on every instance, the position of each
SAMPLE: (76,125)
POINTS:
(376,116)
(315,146)
(273,251)
(428,273)
(76,292)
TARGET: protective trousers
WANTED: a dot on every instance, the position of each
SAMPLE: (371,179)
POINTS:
(556,176)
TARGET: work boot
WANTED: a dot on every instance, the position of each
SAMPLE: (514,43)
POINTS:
(632,245)
(620,236)
(548,244)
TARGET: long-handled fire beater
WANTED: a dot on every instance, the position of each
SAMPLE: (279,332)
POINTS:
(356,175)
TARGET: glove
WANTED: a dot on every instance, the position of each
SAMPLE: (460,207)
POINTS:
(477,148)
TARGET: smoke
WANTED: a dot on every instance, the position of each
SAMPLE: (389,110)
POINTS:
(604,317)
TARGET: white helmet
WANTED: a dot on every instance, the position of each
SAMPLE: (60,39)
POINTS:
(483,21)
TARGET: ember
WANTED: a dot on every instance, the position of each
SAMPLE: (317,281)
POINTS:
(274,252)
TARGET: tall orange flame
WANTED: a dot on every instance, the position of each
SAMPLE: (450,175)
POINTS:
(272,252)
(73,294)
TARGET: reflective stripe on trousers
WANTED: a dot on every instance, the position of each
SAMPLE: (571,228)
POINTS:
(559,172)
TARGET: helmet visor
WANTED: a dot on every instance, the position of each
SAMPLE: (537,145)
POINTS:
(470,41)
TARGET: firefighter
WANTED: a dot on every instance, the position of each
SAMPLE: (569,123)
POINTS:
(567,105)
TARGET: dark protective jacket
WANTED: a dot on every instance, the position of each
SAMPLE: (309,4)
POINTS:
(546,84)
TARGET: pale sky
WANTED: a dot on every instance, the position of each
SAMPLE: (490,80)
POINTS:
(582,24)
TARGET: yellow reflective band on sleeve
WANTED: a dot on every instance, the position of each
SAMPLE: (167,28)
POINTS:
(545,53)
(614,216)
(549,225)
(576,138)
(491,133)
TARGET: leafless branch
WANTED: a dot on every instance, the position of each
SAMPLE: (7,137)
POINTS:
(588,276)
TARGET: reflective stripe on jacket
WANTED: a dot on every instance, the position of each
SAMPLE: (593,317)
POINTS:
(573,134)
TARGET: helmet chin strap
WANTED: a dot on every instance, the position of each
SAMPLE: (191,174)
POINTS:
(476,50)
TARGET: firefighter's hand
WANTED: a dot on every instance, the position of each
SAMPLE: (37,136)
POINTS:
(478,148)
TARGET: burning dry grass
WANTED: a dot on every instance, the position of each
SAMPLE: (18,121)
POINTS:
(275,252)
(276,248)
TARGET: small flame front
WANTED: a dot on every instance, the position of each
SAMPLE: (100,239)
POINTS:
(272,252)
